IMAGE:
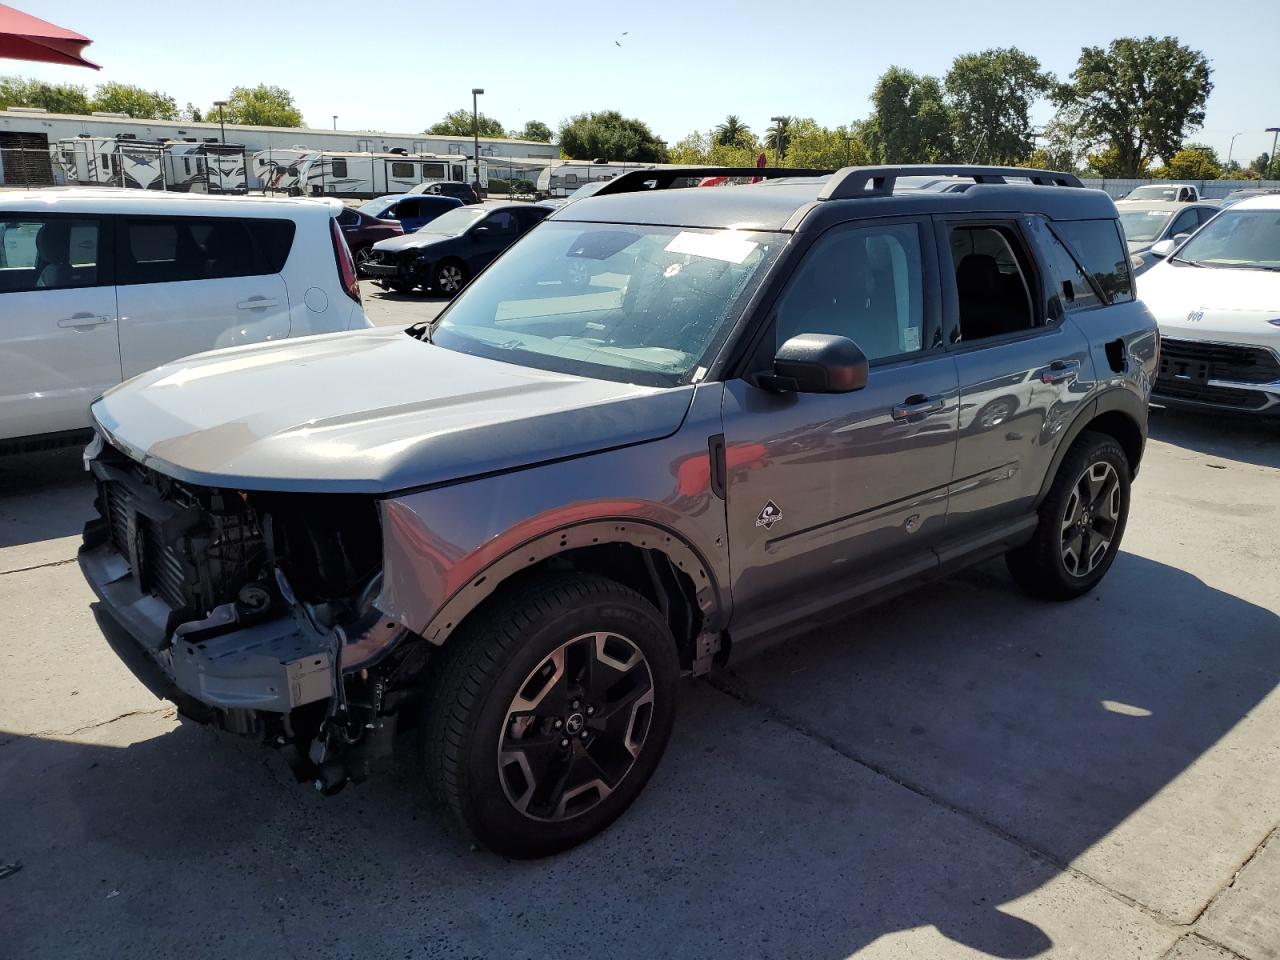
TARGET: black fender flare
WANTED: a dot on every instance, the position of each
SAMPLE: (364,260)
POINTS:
(638,533)
(1116,400)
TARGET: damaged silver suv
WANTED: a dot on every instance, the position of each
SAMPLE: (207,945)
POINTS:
(665,424)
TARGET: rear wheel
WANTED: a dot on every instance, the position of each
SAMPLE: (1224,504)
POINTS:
(449,277)
(1081,522)
(550,712)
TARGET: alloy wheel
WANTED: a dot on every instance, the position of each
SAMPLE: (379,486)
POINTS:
(450,278)
(575,727)
(1091,518)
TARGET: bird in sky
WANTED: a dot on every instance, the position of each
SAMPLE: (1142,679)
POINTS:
(618,43)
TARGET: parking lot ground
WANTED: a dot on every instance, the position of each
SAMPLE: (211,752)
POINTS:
(962,772)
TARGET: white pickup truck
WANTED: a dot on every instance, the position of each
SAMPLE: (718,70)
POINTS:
(1177,192)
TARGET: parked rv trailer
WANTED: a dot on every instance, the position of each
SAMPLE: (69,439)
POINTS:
(561,179)
(367,175)
(280,170)
(111,162)
(205,167)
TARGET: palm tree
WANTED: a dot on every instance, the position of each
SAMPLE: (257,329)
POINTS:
(732,132)
(777,136)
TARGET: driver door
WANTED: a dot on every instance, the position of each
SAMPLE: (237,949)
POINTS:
(830,495)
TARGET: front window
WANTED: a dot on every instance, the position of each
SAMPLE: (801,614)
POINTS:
(1143,226)
(636,303)
(1245,239)
(454,223)
(1152,192)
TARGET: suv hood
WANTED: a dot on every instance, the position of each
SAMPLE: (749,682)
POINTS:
(1222,303)
(411,241)
(369,412)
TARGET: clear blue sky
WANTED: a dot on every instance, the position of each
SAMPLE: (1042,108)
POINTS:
(682,65)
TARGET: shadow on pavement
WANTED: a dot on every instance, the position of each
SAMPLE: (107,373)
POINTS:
(1253,440)
(758,837)
(43,496)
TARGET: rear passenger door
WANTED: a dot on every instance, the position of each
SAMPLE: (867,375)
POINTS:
(188,284)
(58,345)
(1023,368)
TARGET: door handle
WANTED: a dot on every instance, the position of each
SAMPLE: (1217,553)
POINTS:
(918,405)
(256,303)
(1060,371)
(81,321)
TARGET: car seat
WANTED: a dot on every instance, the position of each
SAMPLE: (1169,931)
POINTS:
(53,252)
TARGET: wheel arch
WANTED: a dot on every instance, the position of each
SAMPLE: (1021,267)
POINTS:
(1118,413)
(652,559)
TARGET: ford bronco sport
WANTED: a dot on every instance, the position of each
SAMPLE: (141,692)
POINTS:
(665,424)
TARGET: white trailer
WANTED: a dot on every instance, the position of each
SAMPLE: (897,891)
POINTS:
(279,169)
(367,175)
(205,167)
(561,179)
(180,165)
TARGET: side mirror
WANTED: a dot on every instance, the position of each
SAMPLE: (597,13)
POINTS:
(1164,248)
(1180,238)
(817,363)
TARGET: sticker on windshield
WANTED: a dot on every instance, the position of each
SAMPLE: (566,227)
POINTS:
(714,246)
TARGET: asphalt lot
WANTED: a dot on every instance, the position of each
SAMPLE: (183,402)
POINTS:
(962,772)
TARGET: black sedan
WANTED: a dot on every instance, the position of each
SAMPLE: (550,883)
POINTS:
(451,249)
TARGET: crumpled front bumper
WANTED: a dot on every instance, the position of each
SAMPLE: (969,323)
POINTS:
(272,665)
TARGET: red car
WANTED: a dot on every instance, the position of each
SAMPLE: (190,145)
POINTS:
(363,231)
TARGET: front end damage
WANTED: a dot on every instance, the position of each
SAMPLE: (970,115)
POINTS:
(258,608)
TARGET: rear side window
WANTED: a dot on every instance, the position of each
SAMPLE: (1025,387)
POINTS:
(1098,247)
(168,250)
(48,253)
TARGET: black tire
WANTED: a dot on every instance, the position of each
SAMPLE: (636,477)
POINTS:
(477,699)
(448,277)
(1065,558)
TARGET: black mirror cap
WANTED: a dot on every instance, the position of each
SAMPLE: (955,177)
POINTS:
(820,363)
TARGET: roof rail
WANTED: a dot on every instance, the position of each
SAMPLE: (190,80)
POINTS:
(636,180)
(853,182)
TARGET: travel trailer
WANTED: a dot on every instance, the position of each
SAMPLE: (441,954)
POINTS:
(561,179)
(277,170)
(361,174)
(180,165)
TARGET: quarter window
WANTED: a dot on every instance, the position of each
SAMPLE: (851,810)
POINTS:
(167,250)
(38,253)
(864,283)
(1099,249)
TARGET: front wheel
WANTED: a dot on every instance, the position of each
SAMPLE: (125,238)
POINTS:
(449,277)
(1081,522)
(549,713)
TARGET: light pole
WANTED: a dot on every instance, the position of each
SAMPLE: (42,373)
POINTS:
(1271,160)
(475,130)
(222,123)
(780,146)
(848,145)
(335,121)
(1231,149)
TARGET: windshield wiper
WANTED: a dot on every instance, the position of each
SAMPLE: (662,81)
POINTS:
(1189,263)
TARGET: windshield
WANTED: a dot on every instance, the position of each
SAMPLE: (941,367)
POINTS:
(377,206)
(1152,192)
(641,304)
(1247,239)
(1140,225)
(455,222)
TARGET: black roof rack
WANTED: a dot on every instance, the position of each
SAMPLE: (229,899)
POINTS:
(662,179)
(853,182)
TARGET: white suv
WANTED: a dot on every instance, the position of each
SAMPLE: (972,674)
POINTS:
(97,286)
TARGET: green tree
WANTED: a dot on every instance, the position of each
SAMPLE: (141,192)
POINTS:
(732,132)
(54,97)
(1139,97)
(611,136)
(136,102)
(691,149)
(459,123)
(190,113)
(990,95)
(534,130)
(262,106)
(816,146)
(910,122)
(1193,162)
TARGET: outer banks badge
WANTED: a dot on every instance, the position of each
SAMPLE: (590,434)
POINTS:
(769,515)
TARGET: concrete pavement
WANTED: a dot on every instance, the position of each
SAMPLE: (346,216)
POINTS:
(961,773)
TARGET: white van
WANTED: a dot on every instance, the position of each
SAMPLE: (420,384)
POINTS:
(97,286)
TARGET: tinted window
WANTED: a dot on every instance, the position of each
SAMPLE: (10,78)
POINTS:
(1186,223)
(864,283)
(433,171)
(1098,247)
(992,287)
(503,222)
(38,253)
(165,250)
(339,168)
(403,170)
(348,217)
(1067,287)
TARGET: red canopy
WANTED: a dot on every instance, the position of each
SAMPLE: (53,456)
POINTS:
(24,37)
